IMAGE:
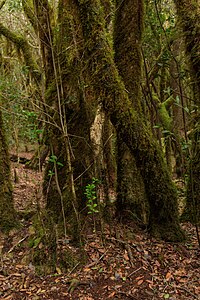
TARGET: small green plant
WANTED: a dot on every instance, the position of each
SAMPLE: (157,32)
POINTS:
(54,160)
(90,192)
(51,173)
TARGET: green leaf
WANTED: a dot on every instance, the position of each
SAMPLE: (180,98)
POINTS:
(177,99)
(52,158)
(186,109)
(37,241)
(50,173)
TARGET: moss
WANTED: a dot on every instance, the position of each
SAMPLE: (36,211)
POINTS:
(192,209)
(128,27)
(7,212)
(131,197)
(128,30)
(66,93)
(29,11)
(47,252)
(166,120)
(111,91)
(21,43)
(188,13)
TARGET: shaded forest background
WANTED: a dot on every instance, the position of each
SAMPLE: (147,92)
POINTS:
(106,94)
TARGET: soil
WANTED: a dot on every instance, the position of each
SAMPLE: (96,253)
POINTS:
(123,263)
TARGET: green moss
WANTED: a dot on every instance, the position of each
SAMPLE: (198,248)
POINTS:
(29,11)
(22,44)
(7,212)
(192,209)
(131,128)
(188,13)
(128,30)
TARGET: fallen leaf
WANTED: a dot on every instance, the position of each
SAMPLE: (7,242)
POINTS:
(140,282)
(168,276)
(86,270)
(126,256)
(139,277)
(111,295)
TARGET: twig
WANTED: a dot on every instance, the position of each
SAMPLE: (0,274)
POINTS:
(134,272)
(128,248)
(126,294)
(74,268)
(187,291)
(96,262)
(13,247)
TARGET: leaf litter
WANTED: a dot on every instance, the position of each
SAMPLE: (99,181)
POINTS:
(139,268)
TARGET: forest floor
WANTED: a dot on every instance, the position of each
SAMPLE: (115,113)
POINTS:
(124,264)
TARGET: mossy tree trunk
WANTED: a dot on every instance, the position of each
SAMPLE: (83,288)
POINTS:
(128,28)
(7,212)
(180,121)
(67,172)
(189,14)
(131,128)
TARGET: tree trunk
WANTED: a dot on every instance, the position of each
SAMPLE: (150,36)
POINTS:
(69,110)
(128,28)
(188,13)
(7,212)
(129,124)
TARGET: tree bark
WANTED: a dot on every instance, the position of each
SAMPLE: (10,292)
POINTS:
(188,13)
(7,212)
(132,129)
(128,28)
(68,107)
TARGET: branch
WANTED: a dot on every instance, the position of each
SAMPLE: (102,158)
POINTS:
(2,4)
(29,11)
(22,44)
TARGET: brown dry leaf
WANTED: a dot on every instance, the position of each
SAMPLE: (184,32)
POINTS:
(126,257)
(183,280)
(118,286)
(140,282)
(101,250)
(9,297)
(94,256)
(93,244)
(112,278)
(17,275)
(157,263)
(180,272)
(19,266)
(38,291)
(111,295)
(86,270)
(139,277)
(168,275)
(149,281)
